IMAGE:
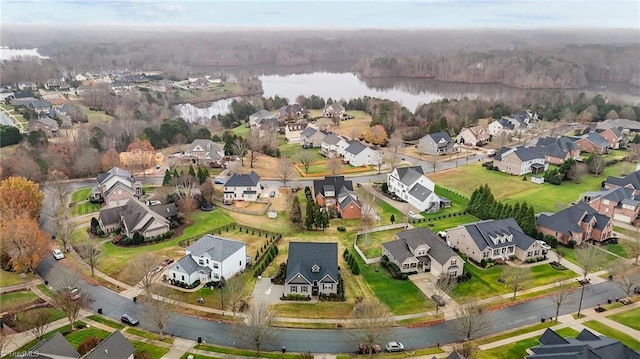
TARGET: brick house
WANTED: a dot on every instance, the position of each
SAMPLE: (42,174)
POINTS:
(631,180)
(337,193)
(579,223)
(557,150)
(592,142)
(618,203)
(613,136)
(473,136)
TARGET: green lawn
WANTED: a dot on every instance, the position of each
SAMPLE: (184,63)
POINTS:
(371,244)
(148,335)
(458,203)
(444,223)
(81,194)
(567,332)
(83,208)
(197,356)
(9,278)
(105,321)
(384,209)
(76,338)
(293,150)
(246,353)
(618,249)
(606,330)
(16,300)
(242,131)
(153,351)
(570,255)
(53,315)
(630,318)
(513,350)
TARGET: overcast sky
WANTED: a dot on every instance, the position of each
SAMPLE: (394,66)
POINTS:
(329,14)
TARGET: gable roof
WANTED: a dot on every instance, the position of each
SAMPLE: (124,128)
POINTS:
(632,179)
(115,171)
(419,192)
(115,346)
(505,123)
(134,212)
(208,146)
(335,106)
(568,220)
(187,265)
(243,180)
(165,210)
(308,132)
(438,249)
(110,215)
(217,248)
(48,121)
(585,346)
(523,153)
(332,139)
(439,136)
(556,147)
(337,183)
(623,123)
(263,114)
(616,195)
(482,233)
(409,175)
(305,255)
(55,345)
(355,147)
(595,138)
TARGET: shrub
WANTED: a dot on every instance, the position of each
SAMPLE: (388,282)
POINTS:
(341,229)
(141,354)
(571,244)
(88,344)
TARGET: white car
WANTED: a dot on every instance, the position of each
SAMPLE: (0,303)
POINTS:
(413,215)
(544,245)
(57,254)
(394,347)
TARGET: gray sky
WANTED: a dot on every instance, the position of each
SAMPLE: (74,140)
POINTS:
(318,14)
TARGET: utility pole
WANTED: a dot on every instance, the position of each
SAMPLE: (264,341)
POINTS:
(581,296)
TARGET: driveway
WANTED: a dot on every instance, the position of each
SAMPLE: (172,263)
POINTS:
(267,293)
(425,282)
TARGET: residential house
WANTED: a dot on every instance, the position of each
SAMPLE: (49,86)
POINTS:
(290,112)
(46,124)
(623,125)
(168,211)
(266,127)
(40,106)
(520,160)
(439,143)
(292,131)
(312,269)
(311,137)
(420,250)
(56,347)
(115,187)
(557,150)
(6,94)
(337,193)
(333,146)
(411,184)
(200,84)
(256,118)
(631,180)
(205,151)
(473,136)
(501,126)
(32,86)
(335,109)
(525,118)
(120,87)
(585,345)
(358,155)
(134,216)
(618,203)
(499,239)
(209,259)
(242,187)
(592,142)
(613,136)
(579,223)
(115,346)
(55,84)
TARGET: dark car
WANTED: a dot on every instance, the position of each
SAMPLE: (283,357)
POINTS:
(129,319)
(167,261)
(637,290)
(218,181)
(438,300)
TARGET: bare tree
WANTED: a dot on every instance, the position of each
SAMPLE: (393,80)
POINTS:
(234,293)
(69,299)
(560,296)
(626,278)
(395,143)
(90,252)
(371,322)
(471,321)
(559,254)
(577,172)
(306,159)
(286,170)
(590,258)
(367,213)
(379,161)
(58,210)
(442,287)
(515,277)
(333,166)
(38,320)
(240,147)
(632,245)
(254,146)
(256,330)
(596,164)
(159,303)
(141,269)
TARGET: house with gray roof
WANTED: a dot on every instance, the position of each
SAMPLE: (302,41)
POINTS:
(209,259)
(204,151)
(335,109)
(622,124)
(242,187)
(55,346)
(520,160)
(621,203)
(256,118)
(578,223)
(557,150)
(413,186)
(333,146)
(40,106)
(496,239)
(45,124)
(115,346)
(592,142)
(439,143)
(312,269)
(358,155)
(501,126)
(311,137)
(115,187)
(614,136)
(420,250)
(132,217)
(337,193)
(631,180)
(586,345)
(292,131)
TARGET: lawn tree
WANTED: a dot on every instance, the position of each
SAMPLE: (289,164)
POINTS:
(596,164)
(38,320)
(63,298)
(18,194)
(590,258)
(560,296)
(159,303)
(306,159)
(254,146)
(295,213)
(471,321)
(442,287)
(58,210)
(186,190)
(207,191)
(367,214)
(559,253)
(141,155)
(333,166)
(256,330)
(515,277)
(371,322)
(286,170)
(234,293)
(379,161)
(395,143)
(23,240)
(90,252)
(631,245)
(141,269)
(240,147)
(626,277)
(577,172)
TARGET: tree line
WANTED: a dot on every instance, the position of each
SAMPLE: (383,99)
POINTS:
(483,205)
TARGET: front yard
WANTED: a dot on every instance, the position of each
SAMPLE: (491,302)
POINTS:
(630,318)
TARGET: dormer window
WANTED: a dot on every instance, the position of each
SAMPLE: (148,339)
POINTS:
(315,268)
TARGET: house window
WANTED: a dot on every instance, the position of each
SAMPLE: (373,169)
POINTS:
(293,289)
(240,263)
(207,261)
(453,273)
(182,277)
(304,289)
(327,286)
(315,268)
(201,262)
(528,254)
(216,276)
(174,276)
(215,265)
(454,262)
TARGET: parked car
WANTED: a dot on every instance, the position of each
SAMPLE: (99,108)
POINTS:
(637,290)
(394,347)
(57,254)
(413,215)
(544,245)
(74,292)
(272,194)
(364,348)
(218,181)
(129,319)
(167,261)
(438,300)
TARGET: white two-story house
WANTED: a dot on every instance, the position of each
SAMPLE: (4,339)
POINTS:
(242,187)
(410,184)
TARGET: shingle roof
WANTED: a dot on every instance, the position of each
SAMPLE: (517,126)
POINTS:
(115,346)
(40,104)
(165,210)
(568,220)
(217,248)
(338,183)
(304,256)
(585,346)
(506,124)
(523,153)
(412,238)
(632,179)
(186,265)
(355,147)
(624,124)
(47,121)
(409,175)
(115,171)
(440,136)
(110,215)
(208,146)
(243,180)
(308,132)
(332,139)
(419,192)
(482,232)
(262,114)
(55,345)
(556,147)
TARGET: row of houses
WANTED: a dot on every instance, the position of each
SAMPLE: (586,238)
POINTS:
(115,346)
(335,146)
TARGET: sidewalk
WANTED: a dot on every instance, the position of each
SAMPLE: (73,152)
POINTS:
(16,287)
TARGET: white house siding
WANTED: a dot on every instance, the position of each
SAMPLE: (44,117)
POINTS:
(183,277)
(228,268)
(366,157)
(238,193)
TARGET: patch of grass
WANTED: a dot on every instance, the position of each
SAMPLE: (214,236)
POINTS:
(148,335)
(9,278)
(246,353)
(44,289)
(444,223)
(241,130)
(197,356)
(293,150)
(513,350)
(16,300)
(606,330)
(81,194)
(630,318)
(618,249)
(570,255)
(105,321)
(76,338)
(513,333)
(153,351)
(47,335)
(53,315)
(83,208)
(313,310)
(371,243)
(567,332)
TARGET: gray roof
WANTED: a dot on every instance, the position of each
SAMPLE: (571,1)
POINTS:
(119,185)
(615,131)
(585,346)
(133,212)
(440,136)
(568,220)
(186,265)
(207,146)
(115,171)
(595,138)
(632,180)
(110,215)
(243,180)
(335,106)
(617,195)
(623,123)
(481,233)
(48,121)
(412,238)
(304,256)
(332,139)
(55,345)
(218,248)
(40,104)
(556,147)
(355,147)
(115,346)
(337,182)
(506,123)
(523,153)
(409,175)
(308,132)
(165,210)
(419,192)
(347,197)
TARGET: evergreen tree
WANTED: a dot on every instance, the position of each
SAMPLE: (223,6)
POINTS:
(167,177)
(295,214)
(323,218)
(192,172)
(203,174)
(175,173)
(310,215)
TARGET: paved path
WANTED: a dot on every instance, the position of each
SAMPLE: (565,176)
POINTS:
(20,286)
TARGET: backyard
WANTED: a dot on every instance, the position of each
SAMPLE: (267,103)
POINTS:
(371,244)
(624,338)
